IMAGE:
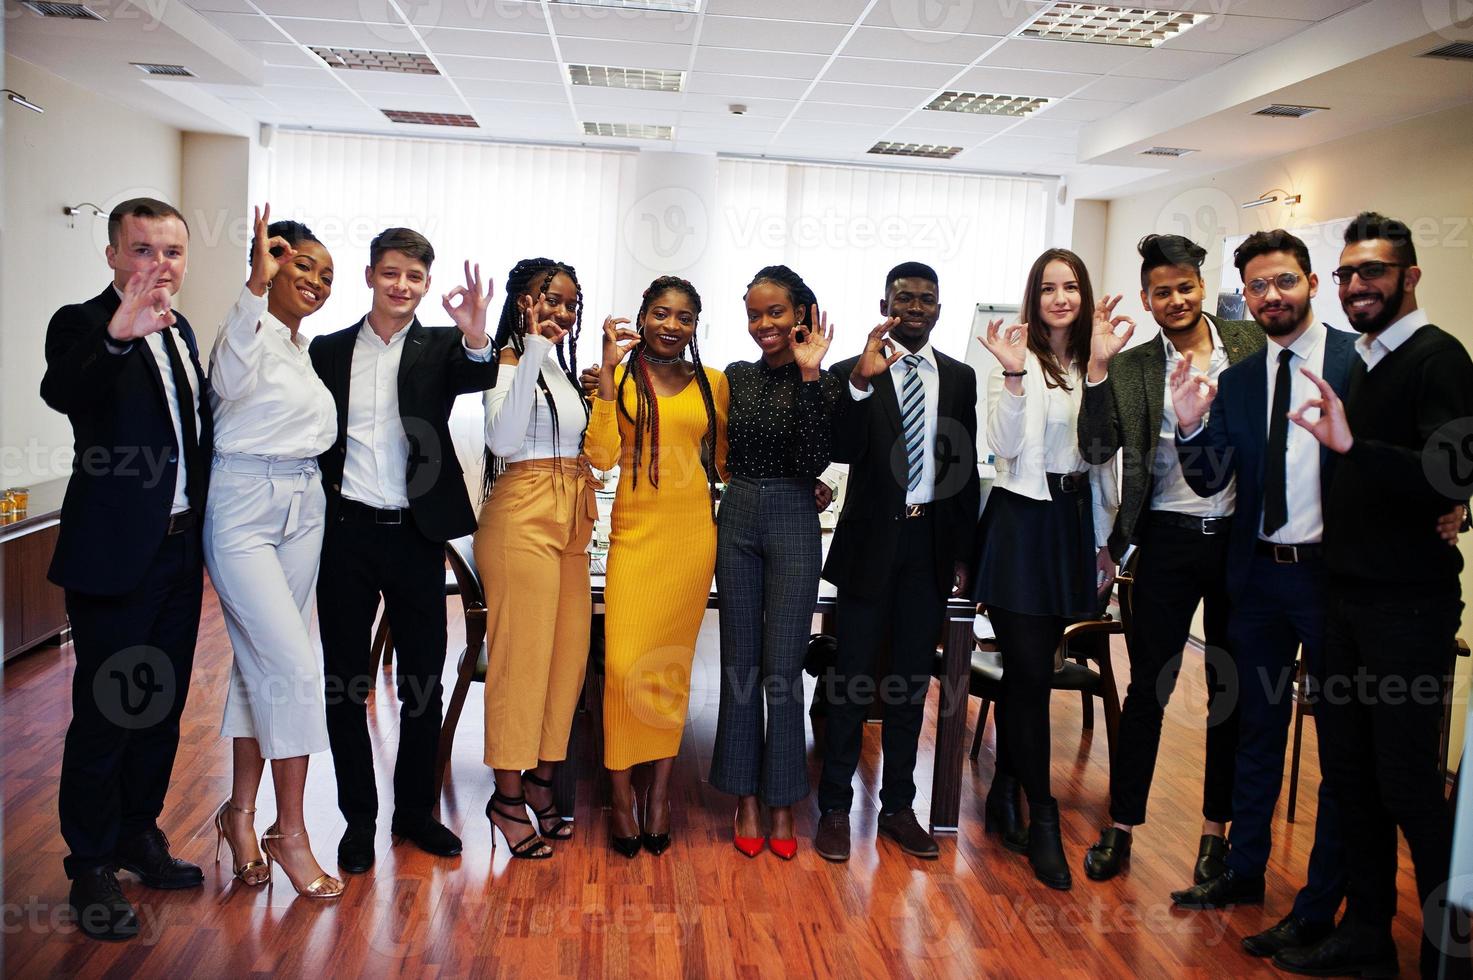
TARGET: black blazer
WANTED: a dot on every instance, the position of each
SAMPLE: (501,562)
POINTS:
(867,436)
(434,369)
(116,510)
(1233,442)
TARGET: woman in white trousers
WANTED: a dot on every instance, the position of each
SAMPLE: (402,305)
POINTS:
(262,541)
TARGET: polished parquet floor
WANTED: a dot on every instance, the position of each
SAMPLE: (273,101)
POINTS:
(699,910)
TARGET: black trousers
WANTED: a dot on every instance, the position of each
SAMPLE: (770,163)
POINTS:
(134,657)
(909,611)
(362,560)
(1177,569)
(1382,712)
(1024,735)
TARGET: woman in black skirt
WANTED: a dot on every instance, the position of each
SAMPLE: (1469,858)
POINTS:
(1042,561)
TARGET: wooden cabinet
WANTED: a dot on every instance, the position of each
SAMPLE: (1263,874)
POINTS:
(34,609)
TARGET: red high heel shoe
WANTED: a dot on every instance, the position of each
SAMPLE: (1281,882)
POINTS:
(784,847)
(750,846)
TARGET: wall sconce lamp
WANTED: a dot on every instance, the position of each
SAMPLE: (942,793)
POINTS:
(21,100)
(72,210)
(1275,196)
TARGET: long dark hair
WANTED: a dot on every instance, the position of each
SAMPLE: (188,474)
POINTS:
(531,277)
(1038,331)
(800,297)
(646,417)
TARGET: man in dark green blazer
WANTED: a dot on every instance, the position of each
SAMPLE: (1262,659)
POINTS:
(1182,539)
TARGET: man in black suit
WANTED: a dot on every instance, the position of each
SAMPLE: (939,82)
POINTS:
(124,368)
(1404,441)
(395,495)
(903,545)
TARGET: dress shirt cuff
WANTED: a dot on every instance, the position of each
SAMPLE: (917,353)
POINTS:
(242,322)
(1095,384)
(113,347)
(483,355)
(858,395)
(536,346)
(1189,436)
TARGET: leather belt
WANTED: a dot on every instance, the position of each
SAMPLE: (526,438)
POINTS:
(373,515)
(181,522)
(1291,554)
(1068,482)
(1191,522)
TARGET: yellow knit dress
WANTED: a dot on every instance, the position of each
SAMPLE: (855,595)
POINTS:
(662,556)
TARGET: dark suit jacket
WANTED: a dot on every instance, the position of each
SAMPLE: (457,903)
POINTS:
(1232,445)
(126,461)
(868,437)
(433,370)
(1124,415)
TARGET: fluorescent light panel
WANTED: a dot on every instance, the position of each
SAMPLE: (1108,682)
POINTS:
(982,104)
(681,6)
(431,118)
(1167,151)
(929,150)
(1138,27)
(635,131)
(359,59)
(644,79)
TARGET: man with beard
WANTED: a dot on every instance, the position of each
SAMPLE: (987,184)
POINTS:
(1182,537)
(1402,441)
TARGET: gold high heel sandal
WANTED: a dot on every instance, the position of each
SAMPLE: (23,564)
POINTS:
(323,886)
(253,872)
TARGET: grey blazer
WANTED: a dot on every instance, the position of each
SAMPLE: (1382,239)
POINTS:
(1124,415)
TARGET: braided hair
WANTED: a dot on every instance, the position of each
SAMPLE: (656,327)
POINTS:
(646,417)
(799,295)
(532,277)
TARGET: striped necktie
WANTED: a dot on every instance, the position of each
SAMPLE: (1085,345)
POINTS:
(913,418)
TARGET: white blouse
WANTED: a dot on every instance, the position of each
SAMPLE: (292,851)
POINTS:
(268,401)
(519,425)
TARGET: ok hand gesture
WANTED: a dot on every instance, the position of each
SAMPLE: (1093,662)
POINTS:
(264,264)
(1191,395)
(531,324)
(1009,346)
(469,314)
(879,353)
(1104,342)
(145,309)
(810,341)
(1332,429)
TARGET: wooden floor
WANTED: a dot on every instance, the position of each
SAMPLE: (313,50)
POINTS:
(700,910)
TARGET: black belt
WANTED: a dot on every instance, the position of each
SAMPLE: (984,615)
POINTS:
(180,522)
(1190,522)
(373,515)
(1290,554)
(1068,482)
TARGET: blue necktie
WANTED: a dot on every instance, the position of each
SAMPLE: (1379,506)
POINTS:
(913,418)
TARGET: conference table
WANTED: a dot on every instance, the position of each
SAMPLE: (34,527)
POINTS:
(956,644)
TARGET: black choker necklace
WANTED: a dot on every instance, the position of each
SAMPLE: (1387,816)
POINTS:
(661,360)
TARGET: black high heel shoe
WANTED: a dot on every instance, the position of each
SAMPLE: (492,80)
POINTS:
(656,844)
(627,846)
(562,829)
(532,847)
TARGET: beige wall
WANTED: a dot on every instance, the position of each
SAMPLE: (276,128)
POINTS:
(1418,171)
(215,199)
(85,148)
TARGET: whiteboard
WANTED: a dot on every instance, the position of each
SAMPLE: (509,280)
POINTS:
(980,359)
(1326,240)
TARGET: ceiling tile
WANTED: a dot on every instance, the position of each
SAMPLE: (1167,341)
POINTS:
(283,53)
(771,36)
(853,114)
(733,61)
(481,88)
(622,24)
(876,71)
(517,16)
(1081,110)
(598,98)
(720,105)
(246,27)
(624,54)
(1174,65)
(902,46)
(319,77)
(462,68)
(967,126)
(1229,34)
(1124,88)
(927,17)
(346,34)
(740,87)
(1020,81)
(816,11)
(1071,56)
(871,95)
(349,10)
(490,44)
(397,82)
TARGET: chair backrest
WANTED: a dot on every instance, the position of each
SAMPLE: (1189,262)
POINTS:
(1125,592)
(461,553)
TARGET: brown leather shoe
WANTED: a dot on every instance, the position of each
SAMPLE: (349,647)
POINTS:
(904,829)
(832,840)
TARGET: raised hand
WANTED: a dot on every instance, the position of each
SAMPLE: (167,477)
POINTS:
(618,342)
(1191,395)
(1104,342)
(1009,346)
(879,353)
(264,264)
(469,313)
(145,308)
(1331,428)
(810,341)
(548,328)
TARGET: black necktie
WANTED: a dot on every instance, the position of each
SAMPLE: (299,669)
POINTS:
(1275,495)
(184,396)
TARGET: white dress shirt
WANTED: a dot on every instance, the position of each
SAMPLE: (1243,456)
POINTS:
(155,344)
(376,466)
(1306,524)
(1373,349)
(519,425)
(1170,491)
(925,491)
(268,400)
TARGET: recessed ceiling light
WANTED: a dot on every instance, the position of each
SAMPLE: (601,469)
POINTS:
(177,71)
(431,118)
(635,131)
(359,59)
(986,105)
(1282,110)
(646,79)
(915,150)
(70,11)
(1166,151)
(1138,27)
(681,6)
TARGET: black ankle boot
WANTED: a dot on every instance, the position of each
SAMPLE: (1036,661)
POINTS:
(1045,848)
(1002,814)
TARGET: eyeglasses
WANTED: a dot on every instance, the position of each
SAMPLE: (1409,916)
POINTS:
(1367,271)
(1283,282)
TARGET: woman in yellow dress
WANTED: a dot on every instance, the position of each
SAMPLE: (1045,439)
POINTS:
(662,419)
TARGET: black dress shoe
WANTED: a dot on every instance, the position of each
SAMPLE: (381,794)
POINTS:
(147,856)
(429,835)
(832,839)
(1228,888)
(102,911)
(1291,931)
(1211,858)
(904,829)
(655,843)
(355,850)
(1002,814)
(1346,952)
(1105,859)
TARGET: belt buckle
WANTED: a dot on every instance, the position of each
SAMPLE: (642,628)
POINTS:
(1210,524)
(1067,483)
(914,510)
(1280,550)
(381,517)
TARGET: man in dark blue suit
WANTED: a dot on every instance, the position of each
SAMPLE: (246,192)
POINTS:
(124,368)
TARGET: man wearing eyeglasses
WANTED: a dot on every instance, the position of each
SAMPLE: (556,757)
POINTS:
(1404,443)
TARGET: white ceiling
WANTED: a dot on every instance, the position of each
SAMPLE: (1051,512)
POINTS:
(820,79)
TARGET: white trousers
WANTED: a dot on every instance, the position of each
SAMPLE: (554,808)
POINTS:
(262,544)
